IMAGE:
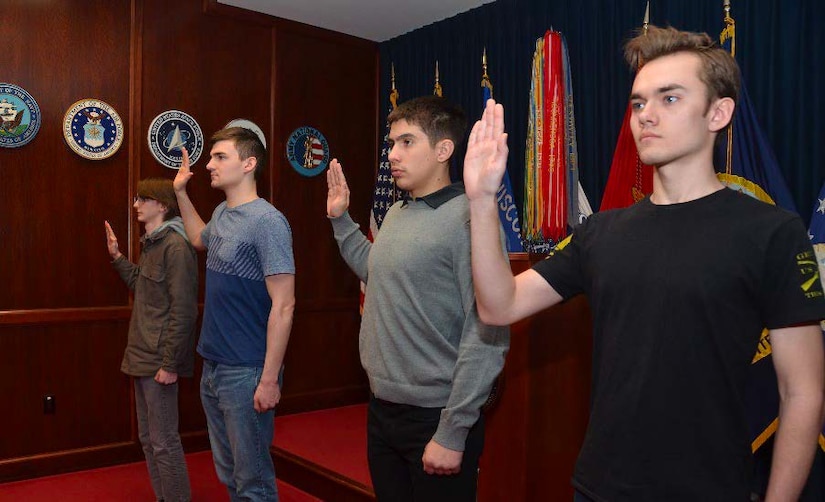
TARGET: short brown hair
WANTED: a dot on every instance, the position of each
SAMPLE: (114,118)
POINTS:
(437,117)
(246,142)
(161,190)
(719,70)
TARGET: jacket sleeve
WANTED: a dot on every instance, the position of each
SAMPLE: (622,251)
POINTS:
(354,246)
(128,271)
(181,269)
(481,355)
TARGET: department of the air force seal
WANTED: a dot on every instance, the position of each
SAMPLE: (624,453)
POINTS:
(92,129)
(247,124)
(19,116)
(307,151)
(169,132)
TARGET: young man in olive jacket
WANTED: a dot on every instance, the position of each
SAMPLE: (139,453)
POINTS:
(161,331)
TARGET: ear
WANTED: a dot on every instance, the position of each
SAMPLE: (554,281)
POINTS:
(163,208)
(444,150)
(249,164)
(720,113)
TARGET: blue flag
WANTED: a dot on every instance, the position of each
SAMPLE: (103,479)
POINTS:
(817,234)
(747,164)
(507,210)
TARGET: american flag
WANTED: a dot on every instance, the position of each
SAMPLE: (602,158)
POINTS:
(386,193)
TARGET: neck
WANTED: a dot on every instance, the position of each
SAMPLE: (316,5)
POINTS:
(675,184)
(151,226)
(434,184)
(241,194)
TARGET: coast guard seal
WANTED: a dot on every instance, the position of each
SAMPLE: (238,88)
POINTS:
(19,116)
(247,124)
(92,129)
(307,151)
(169,132)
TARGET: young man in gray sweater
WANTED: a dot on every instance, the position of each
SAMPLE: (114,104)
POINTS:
(431,362)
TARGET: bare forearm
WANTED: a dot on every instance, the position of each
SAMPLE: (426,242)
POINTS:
(492,277)
(800,421)
(278,329)
(192,222)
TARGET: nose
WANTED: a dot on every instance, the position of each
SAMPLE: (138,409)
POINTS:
(647,114)
(392,154)
(135,204)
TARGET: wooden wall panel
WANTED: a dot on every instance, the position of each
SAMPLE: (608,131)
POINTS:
(328,83)
(536,428)
(63,311)
(79,364)
(54,202)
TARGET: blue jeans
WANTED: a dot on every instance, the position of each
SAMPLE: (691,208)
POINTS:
(157,418)
(240,437)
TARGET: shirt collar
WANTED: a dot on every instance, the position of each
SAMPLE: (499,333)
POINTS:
(439,197)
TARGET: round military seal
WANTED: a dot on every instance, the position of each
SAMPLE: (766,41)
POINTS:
(19,116)
(93,129)
(169,132)
(247,124)
(307,151)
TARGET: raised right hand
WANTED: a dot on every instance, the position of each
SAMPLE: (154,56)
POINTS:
(337,190)
(486,158)
(184,173)
(111,242)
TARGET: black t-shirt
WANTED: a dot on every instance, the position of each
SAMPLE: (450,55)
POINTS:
(680,294)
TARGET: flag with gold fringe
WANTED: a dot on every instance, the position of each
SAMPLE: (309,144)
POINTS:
(507,210)
(748,165)
(554,202)
(629,180)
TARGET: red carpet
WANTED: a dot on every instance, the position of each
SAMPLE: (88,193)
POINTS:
(334,438)
(129,483)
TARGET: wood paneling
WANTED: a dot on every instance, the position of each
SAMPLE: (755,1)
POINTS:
(536,429)
(63,310)
(54,202)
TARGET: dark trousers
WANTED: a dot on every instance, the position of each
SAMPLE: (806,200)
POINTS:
(396,437)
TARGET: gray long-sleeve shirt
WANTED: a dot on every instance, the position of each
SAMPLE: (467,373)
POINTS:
(421,340)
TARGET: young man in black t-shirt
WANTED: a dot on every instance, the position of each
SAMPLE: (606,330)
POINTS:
(681,286)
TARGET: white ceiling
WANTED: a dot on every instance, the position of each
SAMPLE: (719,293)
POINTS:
(376,20)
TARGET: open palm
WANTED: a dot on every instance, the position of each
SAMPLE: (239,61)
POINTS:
(337,190)
(486,158)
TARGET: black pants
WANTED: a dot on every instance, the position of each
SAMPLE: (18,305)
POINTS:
(396,437)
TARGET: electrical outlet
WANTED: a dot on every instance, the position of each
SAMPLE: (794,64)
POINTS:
(49,404)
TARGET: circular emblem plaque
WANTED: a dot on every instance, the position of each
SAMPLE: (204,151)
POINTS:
(93,129)
(19,116)
(169,132)
(307,151)
(247,124)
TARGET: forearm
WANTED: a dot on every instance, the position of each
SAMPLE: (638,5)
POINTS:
(278,329)
(354,246)
(192,222)
(492,276)
(800,422)
(127,270)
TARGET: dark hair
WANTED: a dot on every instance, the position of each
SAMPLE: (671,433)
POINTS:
(719,70)
(246,142)
(161,190)
(437,117)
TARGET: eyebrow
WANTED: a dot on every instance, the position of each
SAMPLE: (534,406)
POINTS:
(403,137)
(661,90)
